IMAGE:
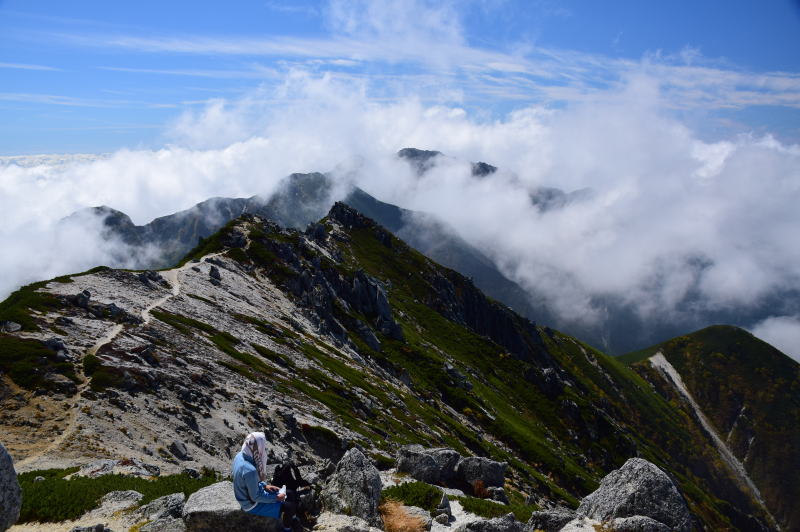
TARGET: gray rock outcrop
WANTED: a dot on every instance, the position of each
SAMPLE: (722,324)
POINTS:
(9,326)
(507,523)
(474,468)
(127,467)
(638,523)
(421,514)
(330,522)
(550,520)
(443,508)
(165,524)
(447,459)
(428,465)
(354,488)
(10,493)
(163,508)
(638,488)
(417,463)
(214,508)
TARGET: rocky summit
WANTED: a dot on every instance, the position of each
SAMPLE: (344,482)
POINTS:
(401,391)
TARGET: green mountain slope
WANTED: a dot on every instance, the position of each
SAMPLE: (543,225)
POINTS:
(368,341)
(750,392)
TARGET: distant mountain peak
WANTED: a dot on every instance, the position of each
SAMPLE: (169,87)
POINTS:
(420,160)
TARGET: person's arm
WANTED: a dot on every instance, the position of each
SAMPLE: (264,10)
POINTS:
(258,492)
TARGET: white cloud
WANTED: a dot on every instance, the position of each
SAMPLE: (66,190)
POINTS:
(427,38)
(25,66)
(670,216)
(782,332)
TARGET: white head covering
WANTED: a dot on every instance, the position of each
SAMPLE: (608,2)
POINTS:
(255,446)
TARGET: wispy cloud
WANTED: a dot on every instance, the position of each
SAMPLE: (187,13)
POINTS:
(70,101)
(257,72)
(540,74)
(295,8)
(24,66)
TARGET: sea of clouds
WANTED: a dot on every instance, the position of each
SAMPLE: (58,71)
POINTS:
(669,215)
(669,223)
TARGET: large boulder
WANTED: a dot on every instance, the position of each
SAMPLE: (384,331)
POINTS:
(447,459)
(354,488)
(10,494)
(550,520)
(428,465)
(417,463)
(214,508)
(472,469)
(638,488)
(507,523)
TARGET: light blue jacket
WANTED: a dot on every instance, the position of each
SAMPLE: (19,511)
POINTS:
(247,488)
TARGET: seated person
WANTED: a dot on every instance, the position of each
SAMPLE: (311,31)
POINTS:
(250,486)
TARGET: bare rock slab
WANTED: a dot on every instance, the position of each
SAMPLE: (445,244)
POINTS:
(10,493)
(215,509)
(330,522)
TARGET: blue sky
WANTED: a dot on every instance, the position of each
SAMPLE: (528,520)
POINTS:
(95,76)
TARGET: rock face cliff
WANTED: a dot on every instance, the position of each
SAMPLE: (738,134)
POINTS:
(336,337)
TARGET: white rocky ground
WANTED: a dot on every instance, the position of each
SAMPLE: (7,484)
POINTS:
(187,396)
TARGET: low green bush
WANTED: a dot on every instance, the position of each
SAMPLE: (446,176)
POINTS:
(56,499)
(414,494)
(490,510)
(27,362)
(91,364)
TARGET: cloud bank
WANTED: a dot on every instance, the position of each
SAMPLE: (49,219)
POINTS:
(669,225)
(670,218)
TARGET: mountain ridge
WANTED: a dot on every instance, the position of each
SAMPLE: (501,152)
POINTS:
(353,335)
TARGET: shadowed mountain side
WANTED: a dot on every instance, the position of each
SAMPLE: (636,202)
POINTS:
(750,392)
(303,199)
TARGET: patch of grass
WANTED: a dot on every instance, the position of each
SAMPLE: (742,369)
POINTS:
(382,462)
(269,354)
(91,364)
(27,362)
(57,499)
(182,323)
(224,341)
(321,433)
(211,244)
(105,377)
(201,298)
(418,494)
(237,368)
(238,254)
(262,326)
(490,510)
(18,306)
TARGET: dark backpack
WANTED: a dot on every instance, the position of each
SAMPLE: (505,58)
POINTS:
(288,475)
